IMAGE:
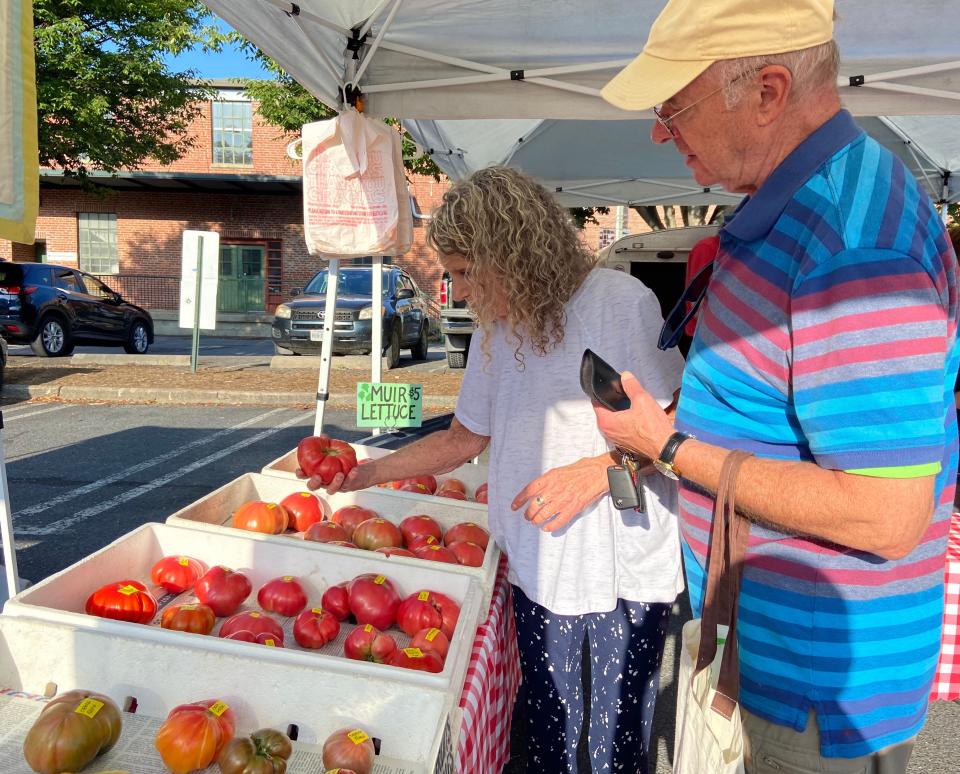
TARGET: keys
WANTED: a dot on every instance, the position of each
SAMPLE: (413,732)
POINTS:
(624,482)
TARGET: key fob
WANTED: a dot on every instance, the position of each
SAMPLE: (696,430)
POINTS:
(625,495)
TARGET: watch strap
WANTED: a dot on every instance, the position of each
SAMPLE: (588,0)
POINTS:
(670,448)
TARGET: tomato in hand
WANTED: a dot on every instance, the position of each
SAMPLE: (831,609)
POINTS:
(126,600)
(315,627)
(263,752)
(193,735)
(195,619)
(284,596)
(223,589)
(71,730)
(177,573)
(323,457)
(303,509)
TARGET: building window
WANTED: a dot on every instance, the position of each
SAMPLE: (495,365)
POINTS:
(98,242)
(607,237)
(233,133)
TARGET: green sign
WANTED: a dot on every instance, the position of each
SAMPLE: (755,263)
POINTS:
(389,405)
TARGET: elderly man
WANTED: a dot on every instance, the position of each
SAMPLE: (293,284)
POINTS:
(827,347)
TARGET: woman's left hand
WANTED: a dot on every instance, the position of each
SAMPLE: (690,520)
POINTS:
(560,495)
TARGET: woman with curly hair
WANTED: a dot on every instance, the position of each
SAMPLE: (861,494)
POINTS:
(581,570)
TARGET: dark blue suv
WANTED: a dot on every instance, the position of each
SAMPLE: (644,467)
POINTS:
(53,308)
(298,323)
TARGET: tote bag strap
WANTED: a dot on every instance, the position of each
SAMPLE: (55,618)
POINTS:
(728,549)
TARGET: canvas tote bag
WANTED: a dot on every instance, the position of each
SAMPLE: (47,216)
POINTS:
(355,200)
(709,734)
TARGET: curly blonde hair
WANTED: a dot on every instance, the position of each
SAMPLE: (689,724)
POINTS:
(520,246)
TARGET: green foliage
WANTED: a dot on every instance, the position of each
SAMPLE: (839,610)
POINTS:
(584,215)
(106,99)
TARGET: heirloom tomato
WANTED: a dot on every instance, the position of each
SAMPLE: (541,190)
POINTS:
(223,589)
(336,600)
(303,509)
(467,553)
(253,622)
(414,658)
(417,525)
(125,600)
(326,532)
(427,482)
(481,494)
(71,730)
(396,551)
(453,494)
(193,735)
(373,600)
(349,748)
(468,531)
(342,543)
(258,516)
(195,619)
(421,541)
(284,596)
(177,573)
(420,611)
(263,752)
(433,640)
(453,485)
(352,516)
(368,643)
(377,533)
(323,457)
(436,553)
(413,486)
(315,627)
(263,638)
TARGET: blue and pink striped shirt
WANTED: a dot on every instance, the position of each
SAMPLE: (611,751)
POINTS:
(829,335)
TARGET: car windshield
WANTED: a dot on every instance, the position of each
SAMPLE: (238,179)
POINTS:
(351,282)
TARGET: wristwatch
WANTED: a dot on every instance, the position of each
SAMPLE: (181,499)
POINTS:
(664,463)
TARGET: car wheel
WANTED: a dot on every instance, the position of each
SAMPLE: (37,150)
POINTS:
(138,340)
(419,350)
(53,339)
(457,359)
(278,350)
(393,350)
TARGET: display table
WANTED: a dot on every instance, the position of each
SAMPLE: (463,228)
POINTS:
(490,688)
(946,682)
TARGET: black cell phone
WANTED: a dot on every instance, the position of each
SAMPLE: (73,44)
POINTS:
(601,382)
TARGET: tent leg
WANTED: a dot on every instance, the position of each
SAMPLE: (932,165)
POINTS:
(326,351)
(376,334)
(6,525)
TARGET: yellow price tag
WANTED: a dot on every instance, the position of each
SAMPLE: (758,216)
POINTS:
(316,610)
(89,707)
(380,579)
(270,643)
(188,607)
(423,596)
(413,652)
(368,628)
(128,590)
(219,707)
(184,561)
(432,635)
(254,614)
(288,578)
(358,736)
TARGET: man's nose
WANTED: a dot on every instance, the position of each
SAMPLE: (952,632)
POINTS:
(660,134)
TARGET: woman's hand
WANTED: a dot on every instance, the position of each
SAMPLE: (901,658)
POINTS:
(560,495)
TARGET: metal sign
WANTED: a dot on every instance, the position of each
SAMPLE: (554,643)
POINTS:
(389,405)
(204,245)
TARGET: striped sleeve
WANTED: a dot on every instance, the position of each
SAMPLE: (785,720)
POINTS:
(869,332)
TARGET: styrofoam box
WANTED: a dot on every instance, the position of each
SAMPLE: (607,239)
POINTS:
(161,674)
(215,511)
(470,474)
(62,596)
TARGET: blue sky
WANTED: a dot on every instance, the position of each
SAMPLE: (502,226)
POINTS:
(229,63)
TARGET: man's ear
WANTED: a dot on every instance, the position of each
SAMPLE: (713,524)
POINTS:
(776,82)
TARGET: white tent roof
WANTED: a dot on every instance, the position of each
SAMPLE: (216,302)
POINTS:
(454,59)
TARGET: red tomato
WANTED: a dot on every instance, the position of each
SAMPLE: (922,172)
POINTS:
(325,457)
(342,543)
(428,482)
(414,617)
(467,553)
(258,516)
(368,643)
(125,600)
(263,638)
(284,596)
(377,533)
(453,484)
(436,553)
(419,524)
(193,735)
(453,494)
(304,509)
(336,600)
(325,532)
(421,541)
(253,622)
(413,486)
(349,748)
(395,551)
(468,531)
(431,639)
(223,589)
(481,494)
(414,658)
(195,619)
(373,600)
(315,627)
(177,573)
(352,516)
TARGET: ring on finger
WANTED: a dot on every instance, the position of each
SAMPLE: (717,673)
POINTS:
(539,500)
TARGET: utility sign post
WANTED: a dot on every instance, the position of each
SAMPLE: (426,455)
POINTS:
(198,285)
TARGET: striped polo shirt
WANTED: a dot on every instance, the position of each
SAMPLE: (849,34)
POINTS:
(828,335)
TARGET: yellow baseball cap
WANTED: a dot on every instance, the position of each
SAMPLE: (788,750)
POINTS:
(690,35)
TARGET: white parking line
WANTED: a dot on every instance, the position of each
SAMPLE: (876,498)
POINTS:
(145,465)
(130,494)
(8,416)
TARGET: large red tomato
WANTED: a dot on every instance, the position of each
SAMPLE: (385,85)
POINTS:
(263,638)
(315,627)
(367,643)
(481,494)
(421,541)
(352,516)
(304,509)
(453,484)
(467,553)
(125,600)
(253,622)
(396,551)
(373,600)
(258,516)
(284,596)
(377,533)
(436,553)
(468,531)
(414,616)
(324,457)
(415,487)
(427,482)
(336,600)
(326,532)
(417,525)
(453,494)
(177,573)
(195,619)
(349,748)
(193,735)
(414,658)
(223,589)
(342,543)
(431,639)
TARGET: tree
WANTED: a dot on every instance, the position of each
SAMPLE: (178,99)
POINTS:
(106,99)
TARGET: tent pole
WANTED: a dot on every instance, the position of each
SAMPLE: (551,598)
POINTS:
(376,321)
(6,523)
(376,43)
(326,348)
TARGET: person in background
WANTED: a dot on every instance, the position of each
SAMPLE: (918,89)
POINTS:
(827,347)
(581,570)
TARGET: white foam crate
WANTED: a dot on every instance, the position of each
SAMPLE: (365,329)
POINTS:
(472,475)
(62,596)
(214,512)
(410,721)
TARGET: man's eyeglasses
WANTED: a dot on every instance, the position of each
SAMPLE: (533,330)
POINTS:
(667,121)
(678,317)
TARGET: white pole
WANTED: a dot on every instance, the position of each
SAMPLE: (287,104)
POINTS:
(6,525)
(326,351)
(376,320)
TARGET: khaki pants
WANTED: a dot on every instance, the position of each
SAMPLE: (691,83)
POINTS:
(776,749)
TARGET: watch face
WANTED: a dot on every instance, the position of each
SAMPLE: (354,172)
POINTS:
(666,469)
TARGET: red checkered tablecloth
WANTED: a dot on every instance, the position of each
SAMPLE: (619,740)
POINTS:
(946,683)
(490,689)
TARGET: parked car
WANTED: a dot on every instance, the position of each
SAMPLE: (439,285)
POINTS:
(54,308)
(298,323)
(3,359)
(457,324)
